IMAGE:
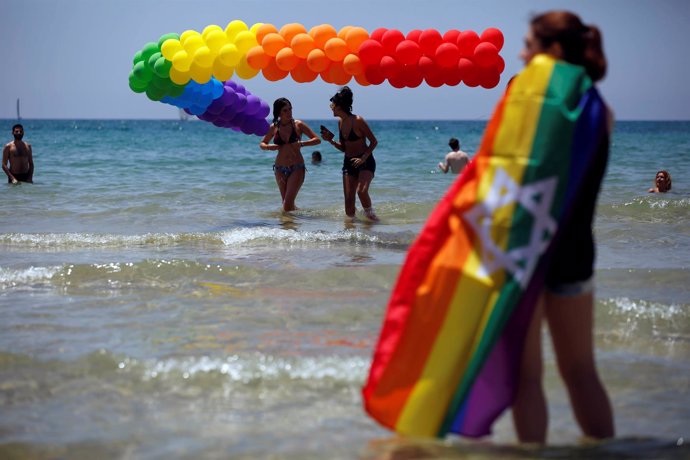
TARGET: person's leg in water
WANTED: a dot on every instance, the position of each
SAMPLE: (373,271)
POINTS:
(293,184)
(530,412)
(365,178)
(349,192)
(571,323)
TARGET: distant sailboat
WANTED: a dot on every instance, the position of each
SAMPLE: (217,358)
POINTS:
(19,117)
(184,116)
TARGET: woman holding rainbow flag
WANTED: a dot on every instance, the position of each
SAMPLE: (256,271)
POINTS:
(508,245)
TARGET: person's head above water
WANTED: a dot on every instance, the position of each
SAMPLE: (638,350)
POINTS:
(563,35)
(662,181)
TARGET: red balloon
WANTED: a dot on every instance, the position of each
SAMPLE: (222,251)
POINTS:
(390,68)
(374,75)
(434,80)
(451,36)
(500,65)
(371,52)
(412,76)
(489,77)
(447,55)
(452,76)
(398,81)
(413,35)
(469,72)
(378,34)
(485,54)
(429,40)
(428,67)
(467,42)
(408,52)
(494,36)
(390,40)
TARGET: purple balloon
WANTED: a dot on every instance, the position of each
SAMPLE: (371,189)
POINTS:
(253,105)
(241,89)
(229,96)
(264,110)
(231,84)
(216,106)
(241,102)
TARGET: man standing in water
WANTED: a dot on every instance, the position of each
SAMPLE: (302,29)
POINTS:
(456,159)
(17,158)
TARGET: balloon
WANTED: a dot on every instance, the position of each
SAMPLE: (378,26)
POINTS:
(286,59)
(467,42)
(468,72)
(244,70)
(193,43)
(272,73)
(170,47)
(337,74)
(171,36)
(451,36)
(142,72)
(182,61)
(272,43)
(353,64)
(221,70)
(374,75)
(264,30)
(215,40)
(136,85)
(317,61)
(257,57)
(355,37)
(390,68)
(413,35)
(429,40)
(302,44)
(336,49)
(371,52)
(412,76)
(485,54)
(362,80)
(203,57)
(321,34)
(378,34)
(178,77)
(244,41)
(408,52)
(390,40)
(489,77)
(447,55)
(229,55)
(342,33)
(493,36)
(234,28)
(302,73)
(428,67)
(288,31)
(452,76)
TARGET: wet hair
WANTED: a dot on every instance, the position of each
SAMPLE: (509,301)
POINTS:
(278,105)
(668,178)
(453,143)
(581,44)
(18,125)
(316,155)
(343,99)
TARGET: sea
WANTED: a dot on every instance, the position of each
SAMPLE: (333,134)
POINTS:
(155,302)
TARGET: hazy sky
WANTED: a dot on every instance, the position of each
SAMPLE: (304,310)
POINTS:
(71,58)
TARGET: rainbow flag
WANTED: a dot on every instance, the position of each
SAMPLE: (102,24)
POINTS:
(451,342)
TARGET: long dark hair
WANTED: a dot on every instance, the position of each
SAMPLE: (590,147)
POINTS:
(343,99)
(581,44)
(278,105)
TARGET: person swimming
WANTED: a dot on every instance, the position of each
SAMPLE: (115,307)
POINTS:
(662,182)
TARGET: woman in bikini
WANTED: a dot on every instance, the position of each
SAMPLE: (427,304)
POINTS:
(359,165)
(289,166)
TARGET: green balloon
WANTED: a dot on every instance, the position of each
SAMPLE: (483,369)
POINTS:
(175,90)
(138,57)
(135,84)
(162,67)
(152,60)
(142,72)
(149,49)
(162,84)
(167,37)
(154,93)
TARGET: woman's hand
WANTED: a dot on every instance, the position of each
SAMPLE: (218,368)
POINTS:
(326,135)
(358,162)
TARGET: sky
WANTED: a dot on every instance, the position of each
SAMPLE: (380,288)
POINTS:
(70,59)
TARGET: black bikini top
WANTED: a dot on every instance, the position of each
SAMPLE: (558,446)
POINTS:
(350,137)
(291,140)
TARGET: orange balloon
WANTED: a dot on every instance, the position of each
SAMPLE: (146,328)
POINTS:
(272,73)
(354,38)
(317,60)
(302,44)
(326,76)
(302,73)
(286,59)
(337,73)
(272,43)
(343,32)
(362,79)
(257,58)
(321,34)
(336,49)
(288,31)
(263,30)
(353,65)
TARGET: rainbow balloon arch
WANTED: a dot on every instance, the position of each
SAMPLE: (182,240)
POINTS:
(193,70)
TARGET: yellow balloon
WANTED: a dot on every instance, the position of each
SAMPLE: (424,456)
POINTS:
(208,29)
(200,74)
(253,29)
(188,33)
(215,40)
(181,61)
(229,55)
(203,57)
(221,71)
(179,77)
(244,70)
(193,43)
(234,28)
(244,41)
(170,47)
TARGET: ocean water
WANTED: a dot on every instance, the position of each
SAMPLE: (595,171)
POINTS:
(156,303)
